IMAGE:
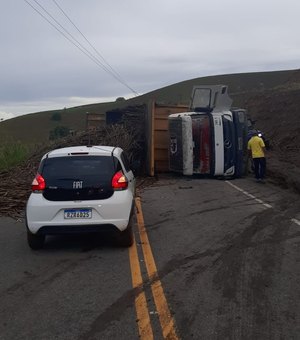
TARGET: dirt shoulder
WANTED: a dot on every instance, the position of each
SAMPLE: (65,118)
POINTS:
(283,170)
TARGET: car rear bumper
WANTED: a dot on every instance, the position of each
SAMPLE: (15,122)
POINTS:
(76,229)
(43,216)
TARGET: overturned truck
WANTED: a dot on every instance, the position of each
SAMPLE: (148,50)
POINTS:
(210,139)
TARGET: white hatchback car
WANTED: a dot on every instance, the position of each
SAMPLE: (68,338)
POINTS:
(81,189)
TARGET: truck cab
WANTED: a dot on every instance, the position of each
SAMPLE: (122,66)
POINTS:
(207,140)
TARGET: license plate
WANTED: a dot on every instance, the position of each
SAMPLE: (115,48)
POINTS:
(78,213)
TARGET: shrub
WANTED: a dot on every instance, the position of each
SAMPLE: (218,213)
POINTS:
(59,132)
(12,154)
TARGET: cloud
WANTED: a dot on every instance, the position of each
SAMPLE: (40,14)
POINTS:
(59,103)
(150,44)
(6,115)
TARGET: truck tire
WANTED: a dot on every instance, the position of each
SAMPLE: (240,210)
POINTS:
(35,241)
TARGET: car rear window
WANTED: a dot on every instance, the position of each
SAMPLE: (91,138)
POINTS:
(78,177)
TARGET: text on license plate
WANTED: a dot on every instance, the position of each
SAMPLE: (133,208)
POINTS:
(78,213)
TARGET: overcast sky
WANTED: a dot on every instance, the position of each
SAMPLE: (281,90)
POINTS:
(148,44)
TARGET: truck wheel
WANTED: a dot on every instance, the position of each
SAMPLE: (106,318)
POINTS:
(35,241)
(125,238)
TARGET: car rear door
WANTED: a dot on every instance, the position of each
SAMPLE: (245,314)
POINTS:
(79,177)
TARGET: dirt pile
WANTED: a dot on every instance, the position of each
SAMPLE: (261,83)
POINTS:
(276,112)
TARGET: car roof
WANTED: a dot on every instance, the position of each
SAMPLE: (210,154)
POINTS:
(95,150)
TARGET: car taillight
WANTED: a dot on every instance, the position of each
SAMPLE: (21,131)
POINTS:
(38,184)
(119,181)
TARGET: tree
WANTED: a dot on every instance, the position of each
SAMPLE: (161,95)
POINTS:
(56,116)
(59,132)
(120,99)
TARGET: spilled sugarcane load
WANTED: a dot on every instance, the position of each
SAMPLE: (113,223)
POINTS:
(210,139)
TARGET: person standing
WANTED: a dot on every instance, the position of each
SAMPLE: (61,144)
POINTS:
(256,147)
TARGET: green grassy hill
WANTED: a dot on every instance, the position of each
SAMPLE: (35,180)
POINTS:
(34,128)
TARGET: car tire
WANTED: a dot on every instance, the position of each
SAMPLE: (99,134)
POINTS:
(125,238)
(35,241)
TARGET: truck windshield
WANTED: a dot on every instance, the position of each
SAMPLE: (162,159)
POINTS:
(201,99)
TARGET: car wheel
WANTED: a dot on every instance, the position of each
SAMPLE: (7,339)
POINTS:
(125,238)
(35,241)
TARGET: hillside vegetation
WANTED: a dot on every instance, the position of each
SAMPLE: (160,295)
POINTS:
(257,92)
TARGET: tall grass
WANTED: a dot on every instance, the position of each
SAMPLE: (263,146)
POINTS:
(12,154)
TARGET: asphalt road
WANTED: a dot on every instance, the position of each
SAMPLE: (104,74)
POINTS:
(213,259)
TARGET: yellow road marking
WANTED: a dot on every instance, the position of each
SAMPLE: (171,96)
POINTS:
(143,318)
(166,320)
